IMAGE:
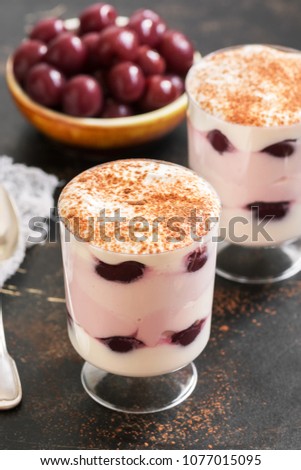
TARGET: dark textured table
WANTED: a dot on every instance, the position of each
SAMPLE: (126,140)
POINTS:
(248,393)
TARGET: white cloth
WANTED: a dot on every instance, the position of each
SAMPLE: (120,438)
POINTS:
(31,189)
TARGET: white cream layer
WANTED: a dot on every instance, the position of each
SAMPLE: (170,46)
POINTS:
(142,362)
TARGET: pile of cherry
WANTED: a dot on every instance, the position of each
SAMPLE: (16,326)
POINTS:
(102,69)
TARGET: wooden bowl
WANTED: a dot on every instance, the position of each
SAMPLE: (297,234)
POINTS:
(96,132)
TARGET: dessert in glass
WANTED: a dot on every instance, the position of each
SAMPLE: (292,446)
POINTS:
(244,132)
(139,252)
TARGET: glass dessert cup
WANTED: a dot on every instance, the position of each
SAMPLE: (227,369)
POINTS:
(139,319)
(256,170)
(139,395)
(259,265)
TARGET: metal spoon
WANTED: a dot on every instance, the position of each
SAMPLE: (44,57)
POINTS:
(10,386)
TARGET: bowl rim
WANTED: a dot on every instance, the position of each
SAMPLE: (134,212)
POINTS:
(92,122)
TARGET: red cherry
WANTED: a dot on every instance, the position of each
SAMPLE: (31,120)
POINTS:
(116,43)
(67,53)
(122,344)
(105,48)
(196,259)
(273,210)
(160,91)
(150,61)
(45,85)
(126,82)
(28,54)
(90,41)
(178,82)
(47,29)
(219,141)
(97,17)
(115,109)
(126,272)
(185,337)
(82,97)
(148,25)
(281,149)
(177,51)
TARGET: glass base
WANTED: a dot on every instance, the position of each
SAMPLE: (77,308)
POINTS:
(258,265)
(139,394)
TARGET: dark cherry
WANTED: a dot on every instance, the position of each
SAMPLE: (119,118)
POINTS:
(186,337)
(47,29)
(115,109)
(105,48)
(90,41)
(28,54)
(101,77)
(126,82)
(126,45)
(97,17)
(196,259)
(122,344)
(150,61)
(275,210)
(82,97)
(177,50)
(45,85)
(148,25)
(67,53)
(280,150)
(126,272)
(178,82)
(116,43)
(219,141)
(159,92)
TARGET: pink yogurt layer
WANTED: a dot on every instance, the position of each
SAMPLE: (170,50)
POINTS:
(241,178)
(104,308)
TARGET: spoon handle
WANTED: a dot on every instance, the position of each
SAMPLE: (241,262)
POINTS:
(10,386)
(3,348)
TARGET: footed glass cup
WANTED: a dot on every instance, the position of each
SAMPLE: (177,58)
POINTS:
(138,320)
(256,170)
